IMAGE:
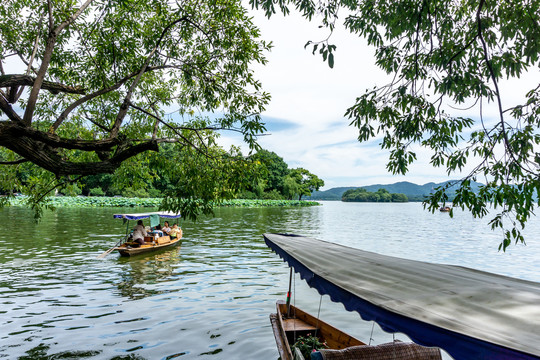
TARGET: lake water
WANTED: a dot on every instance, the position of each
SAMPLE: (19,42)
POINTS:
(211,297)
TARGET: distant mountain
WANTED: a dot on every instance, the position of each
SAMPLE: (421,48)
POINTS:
(414,192)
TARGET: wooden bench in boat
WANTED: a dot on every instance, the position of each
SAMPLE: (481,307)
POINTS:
(163,240)
(159,241)
(297,325)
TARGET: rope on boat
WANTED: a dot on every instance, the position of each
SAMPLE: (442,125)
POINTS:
(371,335)
(317,323)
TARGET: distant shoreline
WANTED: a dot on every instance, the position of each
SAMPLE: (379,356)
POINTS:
(414,192)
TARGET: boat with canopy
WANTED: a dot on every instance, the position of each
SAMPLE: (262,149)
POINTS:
(469,313)
(155,240)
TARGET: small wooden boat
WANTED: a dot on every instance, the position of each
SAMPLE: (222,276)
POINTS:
(150,244)
(445,209)
(287,329)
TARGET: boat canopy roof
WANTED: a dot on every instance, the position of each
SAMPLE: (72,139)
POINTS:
(162,214)
(469,313)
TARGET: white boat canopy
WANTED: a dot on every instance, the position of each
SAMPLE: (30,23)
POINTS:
(469,313)
(140,216)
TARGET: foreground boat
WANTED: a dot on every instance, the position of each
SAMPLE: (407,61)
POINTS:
(469,313)
(290,324)
(288,328)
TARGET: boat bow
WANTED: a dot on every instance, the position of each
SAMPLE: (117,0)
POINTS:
(469,313)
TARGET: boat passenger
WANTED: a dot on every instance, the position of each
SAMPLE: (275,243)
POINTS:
(139,232)
(166,228)
(175,232)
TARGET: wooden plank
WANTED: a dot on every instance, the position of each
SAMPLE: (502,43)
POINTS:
(287,353)
(297,325)
(163,240)
(281,341)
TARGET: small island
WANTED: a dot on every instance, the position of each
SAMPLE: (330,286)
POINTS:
(362,195)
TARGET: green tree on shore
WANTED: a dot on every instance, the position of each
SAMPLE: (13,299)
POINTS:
(274,179)
(86,89)
(306,182)
(274,169)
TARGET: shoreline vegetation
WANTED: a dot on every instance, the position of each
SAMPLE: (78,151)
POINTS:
(109,201)
(382,195)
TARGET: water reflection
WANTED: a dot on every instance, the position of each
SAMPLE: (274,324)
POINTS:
(144,271)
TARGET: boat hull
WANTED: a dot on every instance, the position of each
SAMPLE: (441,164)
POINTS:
(124,250)
(299,323)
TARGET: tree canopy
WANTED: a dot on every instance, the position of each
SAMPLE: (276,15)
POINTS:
(305,181)
(98,86)
(449,61)
(272,178)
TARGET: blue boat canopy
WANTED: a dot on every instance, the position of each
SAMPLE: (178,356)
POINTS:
(469,313)
(140,216)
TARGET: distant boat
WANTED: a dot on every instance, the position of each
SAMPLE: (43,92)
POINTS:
(150,244)
(155,240)
(445,209)
(471,314)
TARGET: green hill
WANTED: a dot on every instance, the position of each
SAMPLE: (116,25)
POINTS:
(413,191)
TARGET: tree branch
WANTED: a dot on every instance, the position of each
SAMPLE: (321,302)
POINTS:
(8,110)
(14,162)
(27,80)
(125,106)
(170,127)
(95,94)
(46,60)
(29,66)
(9,130)
(27,145)
(73,17)
(50,11)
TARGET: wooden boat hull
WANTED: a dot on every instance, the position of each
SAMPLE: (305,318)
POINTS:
(125,250)
(299,323)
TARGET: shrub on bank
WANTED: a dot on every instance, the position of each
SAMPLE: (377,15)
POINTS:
(97,191)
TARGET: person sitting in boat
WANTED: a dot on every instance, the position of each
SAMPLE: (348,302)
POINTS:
(157,230)
(175,232)
(139,232)
(166,228)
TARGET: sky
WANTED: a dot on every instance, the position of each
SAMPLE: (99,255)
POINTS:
(305,119)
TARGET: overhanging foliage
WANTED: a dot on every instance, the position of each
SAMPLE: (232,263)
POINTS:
(446,55)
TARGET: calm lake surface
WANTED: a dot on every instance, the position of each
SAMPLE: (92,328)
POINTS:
(209,298)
